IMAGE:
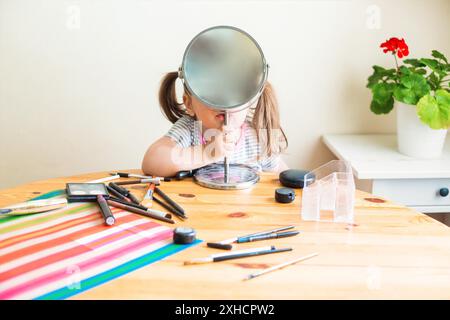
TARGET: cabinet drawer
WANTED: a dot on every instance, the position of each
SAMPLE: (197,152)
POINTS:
(413,192)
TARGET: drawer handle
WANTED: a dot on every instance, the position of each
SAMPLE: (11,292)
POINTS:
(443,192)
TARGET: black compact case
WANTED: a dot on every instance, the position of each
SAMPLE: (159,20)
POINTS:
(81,192)
(294,178)
(284,195)
(184,235)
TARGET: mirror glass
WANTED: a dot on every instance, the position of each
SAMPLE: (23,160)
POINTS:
(224,68)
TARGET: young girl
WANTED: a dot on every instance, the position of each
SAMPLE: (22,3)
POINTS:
(198,136)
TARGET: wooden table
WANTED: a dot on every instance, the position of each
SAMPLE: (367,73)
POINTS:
(390,252)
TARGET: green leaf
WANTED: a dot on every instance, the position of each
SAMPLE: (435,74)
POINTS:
(382,108)
(412,87)
(431,63)
(382,91)
(382,101)
(433,80)
(414,62)
(378,69)
(404,70)
(435,65)
(438,55)
(421,71)
(443,98)
(378,74)
(435,111)
(374,79)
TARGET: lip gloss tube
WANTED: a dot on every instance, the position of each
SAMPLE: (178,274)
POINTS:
(106,212)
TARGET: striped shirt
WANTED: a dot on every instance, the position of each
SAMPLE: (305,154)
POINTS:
(187,132)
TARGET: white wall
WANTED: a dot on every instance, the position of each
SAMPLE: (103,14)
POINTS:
(82,97)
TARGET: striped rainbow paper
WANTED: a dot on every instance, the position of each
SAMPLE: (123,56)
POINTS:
(57,254)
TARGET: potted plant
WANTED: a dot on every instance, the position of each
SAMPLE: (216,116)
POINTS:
(420,91)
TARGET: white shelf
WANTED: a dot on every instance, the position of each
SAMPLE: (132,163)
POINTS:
(375,156)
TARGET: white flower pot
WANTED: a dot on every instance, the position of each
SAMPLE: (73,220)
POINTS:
(415,138)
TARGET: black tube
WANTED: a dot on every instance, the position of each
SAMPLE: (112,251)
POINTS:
(168,200)
(249,254)
(106,212)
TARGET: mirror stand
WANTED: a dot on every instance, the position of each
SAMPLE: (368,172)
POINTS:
(229,176)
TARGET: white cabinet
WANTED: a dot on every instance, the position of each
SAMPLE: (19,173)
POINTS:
(379,168)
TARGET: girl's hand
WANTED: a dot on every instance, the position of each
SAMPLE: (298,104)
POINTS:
(230,138)
(224,142)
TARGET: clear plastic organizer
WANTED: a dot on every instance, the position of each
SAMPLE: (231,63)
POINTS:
(329,193)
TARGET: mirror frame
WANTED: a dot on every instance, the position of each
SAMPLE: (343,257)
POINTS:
(217,107)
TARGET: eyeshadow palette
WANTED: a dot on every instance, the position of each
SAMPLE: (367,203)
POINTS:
(77,192)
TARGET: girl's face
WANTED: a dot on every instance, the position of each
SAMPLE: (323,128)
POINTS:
(212,119)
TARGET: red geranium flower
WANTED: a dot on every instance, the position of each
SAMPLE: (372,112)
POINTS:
(396,46)
(403,50)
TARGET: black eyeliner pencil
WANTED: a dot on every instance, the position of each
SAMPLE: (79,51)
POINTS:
(168,200)
(152,180)
(133,198)
(169,208)
(235,256)
(226,244)
(138,211)
(131,204)
(267,236)
(249,254)
(130,175)
(123,191)
(119,189)
(117,194)
(138,206)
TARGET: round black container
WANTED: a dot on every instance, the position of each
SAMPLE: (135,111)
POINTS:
(184,235)
(284,195)
(293,178)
